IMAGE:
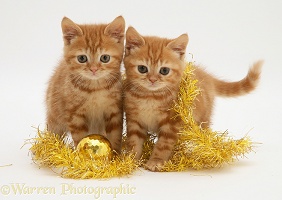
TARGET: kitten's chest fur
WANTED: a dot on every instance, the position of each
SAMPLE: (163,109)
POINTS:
(96,105)
(150,112)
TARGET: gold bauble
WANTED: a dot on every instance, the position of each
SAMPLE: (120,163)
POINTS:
(95,147)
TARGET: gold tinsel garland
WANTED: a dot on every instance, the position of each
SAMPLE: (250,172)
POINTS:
(51,150)
(197,148)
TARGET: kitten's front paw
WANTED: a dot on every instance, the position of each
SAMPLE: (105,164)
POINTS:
(155,164)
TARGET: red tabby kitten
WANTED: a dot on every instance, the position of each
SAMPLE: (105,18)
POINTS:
(154,67)
(84,93)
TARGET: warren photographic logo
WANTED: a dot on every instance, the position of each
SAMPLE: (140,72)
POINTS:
(65,189)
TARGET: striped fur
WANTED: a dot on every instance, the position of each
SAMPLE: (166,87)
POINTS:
(212,87)
(85,98)
(150,95)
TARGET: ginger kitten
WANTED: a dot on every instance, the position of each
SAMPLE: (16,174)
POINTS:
(84,93)
(154,67)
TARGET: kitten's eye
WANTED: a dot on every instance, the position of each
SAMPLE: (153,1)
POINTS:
(105,58)
(164,70)
(142,69)
(82,58)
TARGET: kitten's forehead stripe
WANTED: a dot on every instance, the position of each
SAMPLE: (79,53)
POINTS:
(155,51)
(94,41)
(94,37)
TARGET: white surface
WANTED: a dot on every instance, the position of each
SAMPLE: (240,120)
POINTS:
(225,36)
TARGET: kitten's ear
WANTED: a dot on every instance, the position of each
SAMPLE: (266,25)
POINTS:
(179,44)
(133,39)
(116,29)
(70,30)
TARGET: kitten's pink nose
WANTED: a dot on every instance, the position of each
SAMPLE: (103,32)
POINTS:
(152,80)
(94,69)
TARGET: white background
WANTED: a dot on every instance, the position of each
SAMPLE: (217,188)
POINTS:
(225,37)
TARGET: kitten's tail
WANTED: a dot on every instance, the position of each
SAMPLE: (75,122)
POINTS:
(244,86)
